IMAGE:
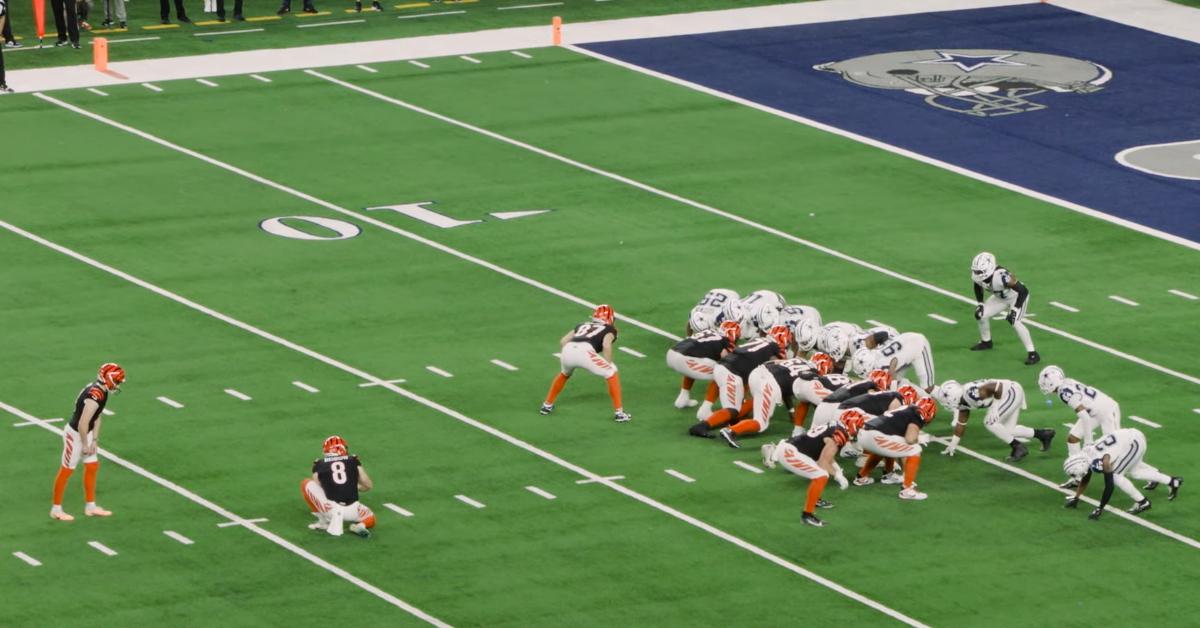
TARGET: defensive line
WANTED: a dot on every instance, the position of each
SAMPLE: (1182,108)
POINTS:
(223,512)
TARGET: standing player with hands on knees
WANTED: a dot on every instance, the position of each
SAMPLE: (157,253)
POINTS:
(332,491)
(1007,295)
(81,439)
(589,346)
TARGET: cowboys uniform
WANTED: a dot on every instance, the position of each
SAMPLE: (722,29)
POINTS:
(1003,411)
(1006,295)
(1125,449)
(717,305)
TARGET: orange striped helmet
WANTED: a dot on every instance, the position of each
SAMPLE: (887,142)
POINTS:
(823,362)
(882,378)
(927,407)
(334,446)
(853,420)
(111,375)
(604,314)
(782,336)
(731,330)
(908,394)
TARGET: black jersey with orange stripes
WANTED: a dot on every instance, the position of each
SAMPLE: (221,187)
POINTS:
(95,392)
(707,344)
(338,476)
(896,422)
(751,355)
(812,442)
(593,333)
(851,390)
(786,372)
(873,403)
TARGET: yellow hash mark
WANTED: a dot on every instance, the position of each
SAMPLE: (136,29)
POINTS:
(263,18)
(412,5)
(319,14)
(159,27)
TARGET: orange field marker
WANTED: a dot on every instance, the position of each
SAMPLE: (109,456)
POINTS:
(100,53)
(557,29)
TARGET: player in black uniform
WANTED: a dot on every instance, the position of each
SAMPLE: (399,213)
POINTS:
(811,455)
(332,491)
(589,346)
(695,357)
(4,89)
(731,373)
(81,439)
(770,385)
(896,434)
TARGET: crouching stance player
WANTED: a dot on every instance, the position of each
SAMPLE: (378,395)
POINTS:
(1004,399)
(811,455)
(1116,455)
(695,357)
(332,491)
(589,346)
(896,434)
(81,439)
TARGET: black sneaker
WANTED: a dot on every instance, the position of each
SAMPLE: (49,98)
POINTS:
(1150,486)
(1032,358)
(376,6)
(700,429)
(983,345)
(62,42)
(1019,451)
(547,408)
(358,7)
(1141,506)
(5,89)
(238,17)
(283,10)
(1044,435)
(310,9)
(1070,483)
(727,434)
(185,19)
(75,45)
(821,503)
(106,23)
(123,26)
(812,520)
(1176,482)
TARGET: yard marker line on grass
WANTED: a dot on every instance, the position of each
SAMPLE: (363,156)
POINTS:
(242,522)
(260,78)
(636,354)
(170,402)
(522,54)
(132,39)
(1186,295)
(537,491)
(1063,306)
(270,536)
(748,467)
(179,537)
(390,381)
(339,23)
(1196,410)
(939,317)
(102,548)
(529,6)
(504,365)
(152,87)
(33,562)
(1121,299)
(691,203)
(588,476)
(367,68)
(302,386)
(96,91)
(409,17)
(437,371)
(207,82)
(238,32)
(423,66)
(876,323)
(107,412)
(1144,421)
(469,58)
(675,474)
(240,395)
(470,502)
(28,423)
(398,510)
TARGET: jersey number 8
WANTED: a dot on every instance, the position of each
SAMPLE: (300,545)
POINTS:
(338,471)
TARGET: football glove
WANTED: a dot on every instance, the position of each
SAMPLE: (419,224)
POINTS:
(1011,317)
(841,480)
(979,312)
(1096,514)
(923,439)
(1071,502)
(949,450)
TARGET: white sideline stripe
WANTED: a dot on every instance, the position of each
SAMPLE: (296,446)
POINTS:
(522,54)
(423,66)
(338,23)
(367,68)
(390,381)
(636,354)
(152,87)
(504,365)
(748,467)
(1186,540)
(398,510)
(96,91)
(529,6)
(102,548)
(939,317)
(469,58)
(668,195)
(237,32)
(33,562)
(242,522)
(27,423)
(675,474)
(258,77)
(588,476)
(270,536)
(240,395)
(207,82)
(1121,299)
(1063,306)
(409,17)
(170,402)
(179,537)
(537,491)
(470,502)
(1186,295)
(131,39)
(302,386)
(1144,421)
(437,371)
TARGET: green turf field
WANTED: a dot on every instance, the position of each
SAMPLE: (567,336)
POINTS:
(209,301)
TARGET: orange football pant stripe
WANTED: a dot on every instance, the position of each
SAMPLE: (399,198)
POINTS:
(89,480)
(556,387)
(815,488)
(614,390)
(311,506)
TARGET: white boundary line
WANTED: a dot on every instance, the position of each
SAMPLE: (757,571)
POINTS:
(33,562)
(390,381)
(679,476)
(470,502)
(537,491)
(102,548)
(600,479)
(1144,421)
(978,176)
(632,183)
(28,423)
(398,510)
(1064,306)
(242,522)
(179,537)
(1186,295)
(270,536)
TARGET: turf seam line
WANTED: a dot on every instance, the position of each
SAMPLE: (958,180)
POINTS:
(31,561)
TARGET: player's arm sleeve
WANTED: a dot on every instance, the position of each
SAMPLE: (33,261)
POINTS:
(1108,489)
(1022,294)
(978,292)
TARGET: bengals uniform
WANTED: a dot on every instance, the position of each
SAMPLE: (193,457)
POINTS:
(770,385)
(895,434)
(589,346)
(811,456)
(731,374)
(695,357)
(81,439)
(332,491)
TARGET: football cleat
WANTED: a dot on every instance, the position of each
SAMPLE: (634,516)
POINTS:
(96,511)
(1070,483)
(1150,486)
(1176,482)
(1032,358)
(913,494)
(310,9)
(982,345)
(863,481)
(59,515)
(768,455)
(376,6)
(1139,507)
(812,520)
(700,429)
(1095,514)
(621,416)
(358,7)
(1044,435)
(1019,451)
(892,478)
(546,408)
(688,403)
(360,530)
(821,503)
(727,434)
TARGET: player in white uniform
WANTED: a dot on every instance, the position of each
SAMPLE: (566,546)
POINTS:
(835,341)
(717,305)
(1003,399)
(909,351)
(791,315)
(1007,296)
(761,311)
(1092,408)
(1116,455)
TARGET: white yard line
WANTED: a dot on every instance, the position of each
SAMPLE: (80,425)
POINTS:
(31,561)
(398,510)
(367,68)
(939,317)
(636,354)
(504,365)
(675,474)
(469,58)
(1187,295)
(1121,299)
(170,402)
(128,40)
(338,23)
(96,91)
(423,66)
(1144,421)
(522,54)
(599,479)
(207,82)
(748,467)
(28,423)
(871,321)
(390,381)
(102,548)
(237,32)
(179,537)
(260,78)
(1196,410)
(107,412)
(437,371)
(537,491)
(470,502)
(302,386)
(242,522)
(529,6)
(410,17)
(1063,306)
(240,395)
(152,87)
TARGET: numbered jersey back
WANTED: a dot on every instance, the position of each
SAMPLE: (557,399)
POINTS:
(593,333)
(338,476)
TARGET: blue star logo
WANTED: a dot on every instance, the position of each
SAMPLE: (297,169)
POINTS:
(969,63)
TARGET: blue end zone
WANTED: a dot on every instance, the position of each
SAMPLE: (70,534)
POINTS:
(1065,150)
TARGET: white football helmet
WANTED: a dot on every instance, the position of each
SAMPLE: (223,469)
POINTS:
(805,333)
(863,361)
(731,310)
(983,266)
(702,319)
(834,342)
(1076,466)
(949,394)
(1050,379)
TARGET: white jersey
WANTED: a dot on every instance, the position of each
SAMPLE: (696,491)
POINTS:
(905,348)
(971,397)
(850,330)
(791,315)
(761,310)
(712,309)
(1076,394)
(1124,448)
(997,283)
